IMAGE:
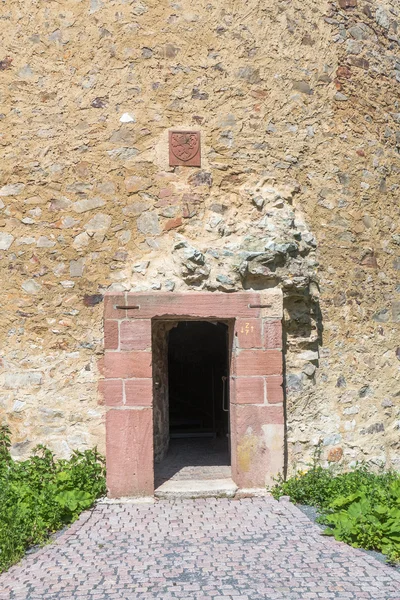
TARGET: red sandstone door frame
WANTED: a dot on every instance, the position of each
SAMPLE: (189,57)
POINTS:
(256,395)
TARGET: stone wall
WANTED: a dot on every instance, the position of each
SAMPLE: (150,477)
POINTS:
(297,104)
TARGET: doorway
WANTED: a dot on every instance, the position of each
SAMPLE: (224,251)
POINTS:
(135,387)
(197,393)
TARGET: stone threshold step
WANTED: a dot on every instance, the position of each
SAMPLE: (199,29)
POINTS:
(196,488)
(212,488)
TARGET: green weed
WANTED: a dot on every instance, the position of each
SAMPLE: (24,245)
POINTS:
(359,507)
(40,495)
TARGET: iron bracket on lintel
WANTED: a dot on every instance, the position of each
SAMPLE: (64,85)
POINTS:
(136,307)
(260,305)
(128,307)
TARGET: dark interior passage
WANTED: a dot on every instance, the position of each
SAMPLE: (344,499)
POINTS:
(198,380)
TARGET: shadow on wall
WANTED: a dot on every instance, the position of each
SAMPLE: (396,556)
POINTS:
(302,334)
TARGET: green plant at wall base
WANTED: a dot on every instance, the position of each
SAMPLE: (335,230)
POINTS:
(362,523)
(359,507)
(42,494)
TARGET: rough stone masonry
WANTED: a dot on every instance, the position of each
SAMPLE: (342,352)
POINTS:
(297,103)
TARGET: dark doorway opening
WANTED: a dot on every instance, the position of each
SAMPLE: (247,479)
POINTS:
(198,400)
(198,380)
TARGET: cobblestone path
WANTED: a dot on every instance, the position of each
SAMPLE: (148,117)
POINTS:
(207,549)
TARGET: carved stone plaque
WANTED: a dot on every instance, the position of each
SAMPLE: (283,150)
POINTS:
(184,148)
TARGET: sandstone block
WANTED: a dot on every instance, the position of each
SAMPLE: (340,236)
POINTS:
(274,389)
(249,390)
(248,333)
(259,439)
(129,452)
(127,364)
(272,300)
(135,334)
(258,362)
(138,392)
(272,331)
(111,301)
(196,304)
(111,337)
(111,392)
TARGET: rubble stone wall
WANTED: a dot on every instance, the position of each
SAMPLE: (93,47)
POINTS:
(297,105)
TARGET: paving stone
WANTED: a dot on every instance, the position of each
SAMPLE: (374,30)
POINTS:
(202,549)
